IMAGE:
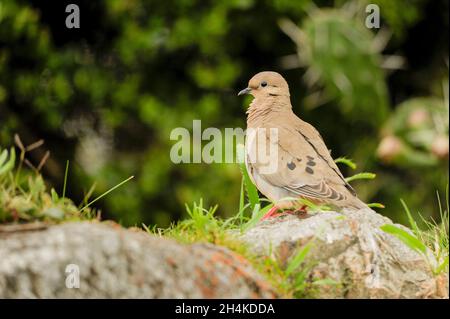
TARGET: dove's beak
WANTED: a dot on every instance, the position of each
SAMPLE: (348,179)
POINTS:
(245,91)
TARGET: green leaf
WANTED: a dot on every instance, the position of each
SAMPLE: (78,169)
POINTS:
(411,220)
(325,282)
(257,214)
(376,205)
(410,240)
(3,156)
(298,259)
(252,192)
(442,266)
(65,179)
(241,196)
(55,197)
(105,193)
(363,175)
(300,278)
(239,216)
(9,165)
(146,228)
(346,161)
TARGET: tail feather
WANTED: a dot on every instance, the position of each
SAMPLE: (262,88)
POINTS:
(356,203)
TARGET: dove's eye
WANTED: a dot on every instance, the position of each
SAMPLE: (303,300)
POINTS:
(263,83)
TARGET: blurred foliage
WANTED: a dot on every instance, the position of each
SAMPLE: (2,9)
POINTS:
(416,133)
(400,15)
(342,60)
(107,95)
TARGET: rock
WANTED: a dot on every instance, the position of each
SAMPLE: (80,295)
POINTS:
(352,250)
(117,263)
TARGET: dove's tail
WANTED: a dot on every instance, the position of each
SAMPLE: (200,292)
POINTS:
(356,203)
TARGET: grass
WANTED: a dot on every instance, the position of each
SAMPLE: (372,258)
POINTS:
(363,175)
(434,238)
(24,196)
(289,278)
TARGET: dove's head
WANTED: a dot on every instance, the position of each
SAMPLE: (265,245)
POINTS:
(265,84)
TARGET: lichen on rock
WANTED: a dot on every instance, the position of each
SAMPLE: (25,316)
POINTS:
(351,249)
(114,262)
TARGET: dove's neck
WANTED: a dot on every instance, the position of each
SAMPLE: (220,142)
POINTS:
(263,109)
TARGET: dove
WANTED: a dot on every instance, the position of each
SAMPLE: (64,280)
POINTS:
(302,166)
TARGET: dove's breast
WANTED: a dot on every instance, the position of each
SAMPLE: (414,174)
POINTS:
(274,193)
(261,161)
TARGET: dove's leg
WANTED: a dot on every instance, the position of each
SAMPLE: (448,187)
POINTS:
(274,212)
(301,210)
(271,213)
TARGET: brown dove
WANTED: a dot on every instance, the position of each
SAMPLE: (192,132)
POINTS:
(299,164)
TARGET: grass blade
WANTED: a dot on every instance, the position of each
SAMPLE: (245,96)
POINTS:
(376,205)
(9,165)
(363,175)
(411,220)
(346,161)
(257,214)
(252,192)
(410,240)
(298,259)
(106,193)
(65,180)
(3,156)
(241,195)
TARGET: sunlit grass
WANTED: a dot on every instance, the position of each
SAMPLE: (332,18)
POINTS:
(434,238)
(290,279)
(24,196)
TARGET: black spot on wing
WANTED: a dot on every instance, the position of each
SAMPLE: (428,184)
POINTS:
(338,173)
(309,170)
(291,166)
(311,163)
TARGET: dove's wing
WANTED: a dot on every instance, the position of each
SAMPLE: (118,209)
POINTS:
(313,137)
(305,167)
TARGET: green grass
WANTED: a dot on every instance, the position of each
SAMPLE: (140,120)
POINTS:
(289,278)
(24,196)
(363,175)
(434,238)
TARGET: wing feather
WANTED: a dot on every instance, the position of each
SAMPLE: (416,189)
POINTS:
(305,167)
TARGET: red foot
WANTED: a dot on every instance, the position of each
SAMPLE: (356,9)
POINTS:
(302,210)
(271,213)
